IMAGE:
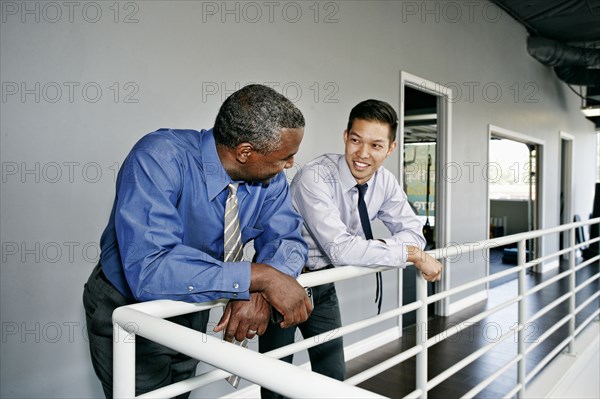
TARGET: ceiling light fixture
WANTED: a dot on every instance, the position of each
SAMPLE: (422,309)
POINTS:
(592,111)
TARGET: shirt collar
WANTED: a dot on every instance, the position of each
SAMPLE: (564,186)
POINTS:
(215,175)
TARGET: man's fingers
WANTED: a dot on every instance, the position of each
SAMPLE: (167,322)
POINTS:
(242,332)
(238,327)
(231,330)
(299,314)
(252,332)
(260,330)
(224,319)
(245,319)
(290,318)
(432,277)
(308,306)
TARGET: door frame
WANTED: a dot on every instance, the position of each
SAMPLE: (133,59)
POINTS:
(442,188)
(500,132)
(566,184)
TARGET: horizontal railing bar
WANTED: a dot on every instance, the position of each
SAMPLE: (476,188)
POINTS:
(341,331)
(587,262)
(548,282)
(472,320)
(587,321)
(282,377)
(547,359)
(333,275)
(500,241)
(539,260)
(188,385)
(463,287)
(383,366)
(544,258)
(165,308)
(549,307)
(483,384)
(548,333)
(587,282)
(216,375)
(579,246)
(552,255)
(589,241)
(450,371)
(587,302)
(513,391)
(414,394)
(563,251)
(336,274)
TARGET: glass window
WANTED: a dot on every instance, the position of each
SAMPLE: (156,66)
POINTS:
(511,172)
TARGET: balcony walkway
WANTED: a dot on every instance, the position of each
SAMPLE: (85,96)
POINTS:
(399,381)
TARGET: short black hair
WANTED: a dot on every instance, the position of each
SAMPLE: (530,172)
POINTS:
(375,111)
(256,114)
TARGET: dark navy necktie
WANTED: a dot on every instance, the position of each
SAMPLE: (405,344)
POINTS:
(366,226)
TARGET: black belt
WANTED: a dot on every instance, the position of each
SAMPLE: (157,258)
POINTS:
(307,270)
(100,274)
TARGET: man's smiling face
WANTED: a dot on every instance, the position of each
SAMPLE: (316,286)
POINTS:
(367,145)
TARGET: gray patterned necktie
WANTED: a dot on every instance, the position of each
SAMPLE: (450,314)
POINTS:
(232,236)
(233,250)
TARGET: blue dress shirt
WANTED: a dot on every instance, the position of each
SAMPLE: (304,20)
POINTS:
(164,239)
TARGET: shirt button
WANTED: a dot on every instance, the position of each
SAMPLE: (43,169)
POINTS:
(191,288)
(234,295)
(236,286)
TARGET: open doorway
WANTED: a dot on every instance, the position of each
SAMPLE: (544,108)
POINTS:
(420,155)
(424,140)
(514,193)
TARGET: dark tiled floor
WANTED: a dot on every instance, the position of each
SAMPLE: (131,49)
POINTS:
(399,381)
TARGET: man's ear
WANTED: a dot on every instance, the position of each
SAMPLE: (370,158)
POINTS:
(243,151)
(392,147)
(345,136)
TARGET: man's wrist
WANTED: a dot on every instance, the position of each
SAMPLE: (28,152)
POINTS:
(414,254)
(259,276)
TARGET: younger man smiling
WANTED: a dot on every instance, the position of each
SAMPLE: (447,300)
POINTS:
(326,193)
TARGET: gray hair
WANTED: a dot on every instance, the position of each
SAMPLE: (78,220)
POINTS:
(256,114)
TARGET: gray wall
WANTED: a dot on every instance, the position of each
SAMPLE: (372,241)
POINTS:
(81,83)
(515,212)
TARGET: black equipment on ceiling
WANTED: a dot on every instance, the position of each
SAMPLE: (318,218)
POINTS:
(565,35)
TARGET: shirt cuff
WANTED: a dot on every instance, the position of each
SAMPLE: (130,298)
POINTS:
(236,280)
(398,252)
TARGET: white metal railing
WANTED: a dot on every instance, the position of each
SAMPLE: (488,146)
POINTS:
(147,320)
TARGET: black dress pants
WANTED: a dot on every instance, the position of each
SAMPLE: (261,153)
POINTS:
(155,365)
(326,358)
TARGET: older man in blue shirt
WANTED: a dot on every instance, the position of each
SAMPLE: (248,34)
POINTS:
(165,237)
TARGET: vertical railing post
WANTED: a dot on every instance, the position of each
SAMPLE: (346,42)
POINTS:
(123,363)
(572,282)
(422,335)
(521,371)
